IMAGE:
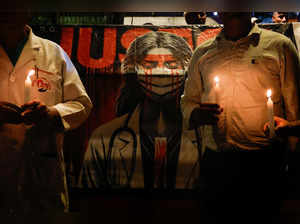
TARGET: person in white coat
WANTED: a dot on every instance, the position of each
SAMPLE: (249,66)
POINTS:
(34,117)
(145,146)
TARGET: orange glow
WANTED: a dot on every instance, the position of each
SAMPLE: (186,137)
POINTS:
(30,73)
(217,80)
(269,93)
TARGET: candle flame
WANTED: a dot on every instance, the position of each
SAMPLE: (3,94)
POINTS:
(217,80)
(269,93)
(30,73)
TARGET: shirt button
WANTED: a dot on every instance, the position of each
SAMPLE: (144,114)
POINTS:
(12,77)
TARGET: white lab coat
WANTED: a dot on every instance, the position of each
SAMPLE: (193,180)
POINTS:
(99,170)
(31,159)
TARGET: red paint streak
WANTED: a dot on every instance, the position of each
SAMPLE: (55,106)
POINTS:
(150,83)
(159,157)
(172,74)
(66,40)
(148,80)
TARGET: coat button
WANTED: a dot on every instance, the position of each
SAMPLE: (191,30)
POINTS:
(12,77)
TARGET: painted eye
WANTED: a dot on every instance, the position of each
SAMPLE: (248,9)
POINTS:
(149,64)
(172,64)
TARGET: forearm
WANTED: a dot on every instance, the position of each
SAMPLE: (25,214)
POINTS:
(55,122)
(74,113)
(188,107)
(191,97)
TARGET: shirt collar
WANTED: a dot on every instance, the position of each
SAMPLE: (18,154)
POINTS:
(253,35)
(33,41)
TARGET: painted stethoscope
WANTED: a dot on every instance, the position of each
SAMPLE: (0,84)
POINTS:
(127,130)
(117,133)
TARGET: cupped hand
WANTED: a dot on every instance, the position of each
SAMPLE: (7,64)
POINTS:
(205,114)
(10,113)
(35,112)
(282,127)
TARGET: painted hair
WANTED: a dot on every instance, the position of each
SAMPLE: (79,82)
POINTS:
(139,48)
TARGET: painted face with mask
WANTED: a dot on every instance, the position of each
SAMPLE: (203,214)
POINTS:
(159,61)
(160,72)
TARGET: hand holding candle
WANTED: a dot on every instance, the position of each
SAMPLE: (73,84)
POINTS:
(27,87)
(270,114)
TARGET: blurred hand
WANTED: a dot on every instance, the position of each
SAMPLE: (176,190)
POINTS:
(10,113)
(37,113)
(205,114)
(282,127)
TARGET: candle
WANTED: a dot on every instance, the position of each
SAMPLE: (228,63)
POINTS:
(217,89)
(270,114)
(27,87)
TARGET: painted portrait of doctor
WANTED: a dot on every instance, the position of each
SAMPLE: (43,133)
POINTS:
(145,146)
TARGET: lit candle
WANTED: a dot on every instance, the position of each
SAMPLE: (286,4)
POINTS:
(27,87)
(270,114)
(217,89)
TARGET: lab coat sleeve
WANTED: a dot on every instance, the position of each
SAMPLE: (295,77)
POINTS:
(193,89)
(76,105)
(290,71)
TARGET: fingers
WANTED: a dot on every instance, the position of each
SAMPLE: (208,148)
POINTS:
(214,108)
(266,127)
(11,117)
(281,127)
(280,122)
(10,113)
(30,105)
(210,120)
(34,112)
(205,115)
(31,112)
(211,105)
(9,106)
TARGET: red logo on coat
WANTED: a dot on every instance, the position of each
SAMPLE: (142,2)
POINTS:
(42,84)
